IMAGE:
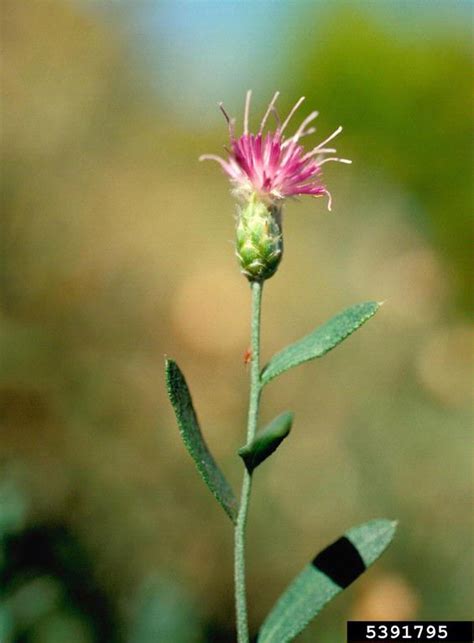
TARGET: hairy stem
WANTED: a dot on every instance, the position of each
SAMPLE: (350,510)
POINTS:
(239,549)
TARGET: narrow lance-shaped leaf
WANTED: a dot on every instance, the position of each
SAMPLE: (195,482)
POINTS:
(320,341)
(266,441)
(194,442)
(331,571)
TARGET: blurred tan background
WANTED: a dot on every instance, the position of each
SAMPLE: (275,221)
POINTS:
(116,249)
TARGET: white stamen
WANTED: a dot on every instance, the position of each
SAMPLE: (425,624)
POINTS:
(319,148)
(309,131)
(247,111)
(269,110)
(328,194)
(299,132)
(329,138)
(288,118)
(214,157)
(334,158)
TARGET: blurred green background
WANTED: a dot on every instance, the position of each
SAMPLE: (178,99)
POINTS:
(115,250)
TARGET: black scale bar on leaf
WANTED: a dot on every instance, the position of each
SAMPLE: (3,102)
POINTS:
(341,562)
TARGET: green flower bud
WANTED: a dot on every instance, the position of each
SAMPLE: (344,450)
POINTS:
(259,246)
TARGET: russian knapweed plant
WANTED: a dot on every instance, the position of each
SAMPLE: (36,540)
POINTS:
(265,169)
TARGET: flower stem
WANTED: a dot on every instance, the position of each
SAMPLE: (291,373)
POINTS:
(239,549)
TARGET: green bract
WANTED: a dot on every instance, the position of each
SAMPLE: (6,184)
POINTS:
(259,244)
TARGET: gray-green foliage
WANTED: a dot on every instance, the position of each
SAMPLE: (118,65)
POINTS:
(321,340)
(312,589)
(194,442)
(346,559)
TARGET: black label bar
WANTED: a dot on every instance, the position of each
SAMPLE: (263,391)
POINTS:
(410,631)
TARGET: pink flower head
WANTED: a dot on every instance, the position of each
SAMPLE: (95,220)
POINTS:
(271,166)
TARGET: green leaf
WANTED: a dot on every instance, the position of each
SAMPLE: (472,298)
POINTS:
(320,341)
(266,441)
(331,571)
(180,398)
